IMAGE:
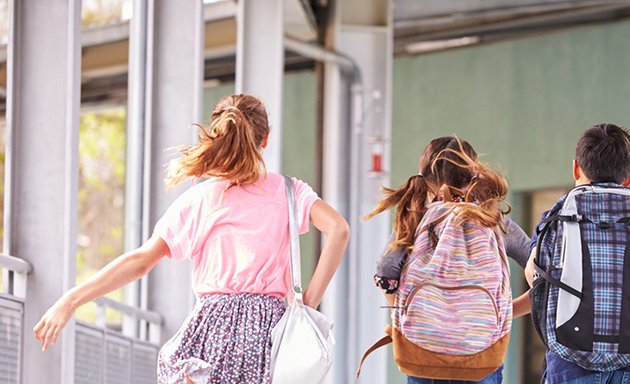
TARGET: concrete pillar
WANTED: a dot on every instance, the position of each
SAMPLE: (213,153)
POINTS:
(260,65)
(174,100)
(44,70)
(371,48)
(134,177)
(352,135)
(335,191)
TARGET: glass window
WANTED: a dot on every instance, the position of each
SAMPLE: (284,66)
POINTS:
(101,197)
(102,140)
(100,12)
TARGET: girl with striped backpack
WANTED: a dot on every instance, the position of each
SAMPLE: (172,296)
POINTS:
(452,312)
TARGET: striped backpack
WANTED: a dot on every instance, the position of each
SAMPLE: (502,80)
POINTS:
(581,291)
(453,310)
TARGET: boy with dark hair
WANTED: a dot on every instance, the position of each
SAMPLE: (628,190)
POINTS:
(580,270)
(602,154)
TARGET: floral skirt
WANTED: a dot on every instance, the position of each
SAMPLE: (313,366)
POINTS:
(226,339)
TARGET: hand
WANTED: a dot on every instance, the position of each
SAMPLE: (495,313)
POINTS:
(529,268)
(53,322)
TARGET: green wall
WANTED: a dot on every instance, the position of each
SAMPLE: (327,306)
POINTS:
(524,102)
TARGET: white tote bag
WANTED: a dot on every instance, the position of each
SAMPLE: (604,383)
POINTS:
(302,341)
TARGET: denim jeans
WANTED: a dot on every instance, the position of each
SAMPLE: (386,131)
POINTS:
(494,378)
(615,377)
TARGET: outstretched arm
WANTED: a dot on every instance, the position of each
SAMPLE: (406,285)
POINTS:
(331,223)
(121,271)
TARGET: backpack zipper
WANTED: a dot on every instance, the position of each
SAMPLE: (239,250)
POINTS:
(447,288)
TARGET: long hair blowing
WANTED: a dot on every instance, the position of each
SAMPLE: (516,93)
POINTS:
(447,166)
(486,191)
(230,147)
(410,199)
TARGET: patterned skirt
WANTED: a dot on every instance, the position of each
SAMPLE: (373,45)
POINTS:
(226,339)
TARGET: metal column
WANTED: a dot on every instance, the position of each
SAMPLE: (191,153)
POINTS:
(371,48)
(351,299)
(260,65)
(44,70)
(176,65)
(134,175)
(335,191)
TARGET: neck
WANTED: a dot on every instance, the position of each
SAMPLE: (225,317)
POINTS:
(582,181)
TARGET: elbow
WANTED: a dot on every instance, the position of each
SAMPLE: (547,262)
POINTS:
(342,230)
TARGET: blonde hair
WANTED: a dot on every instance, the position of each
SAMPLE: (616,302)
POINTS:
(230,147)
(450,165)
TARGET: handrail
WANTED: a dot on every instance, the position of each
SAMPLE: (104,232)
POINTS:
(15,264)
(18,270)
(150,316)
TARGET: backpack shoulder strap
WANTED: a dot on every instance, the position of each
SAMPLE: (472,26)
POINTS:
(427,225)
(543,226)
(380,343)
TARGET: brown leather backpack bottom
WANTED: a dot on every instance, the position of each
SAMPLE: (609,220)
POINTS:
(415,361)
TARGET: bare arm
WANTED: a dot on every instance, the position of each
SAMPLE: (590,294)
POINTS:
(521,305)
(121,271)
(331,223)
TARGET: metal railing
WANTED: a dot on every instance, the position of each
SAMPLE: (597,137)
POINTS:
(14,276)
(104,355)
(149,322)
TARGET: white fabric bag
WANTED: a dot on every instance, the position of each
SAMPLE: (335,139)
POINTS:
(302,341)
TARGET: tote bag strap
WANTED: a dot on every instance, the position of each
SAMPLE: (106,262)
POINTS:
(296,273)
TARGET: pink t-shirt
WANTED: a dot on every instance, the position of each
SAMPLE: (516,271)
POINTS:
(237,239)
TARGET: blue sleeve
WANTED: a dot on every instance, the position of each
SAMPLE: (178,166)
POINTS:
(532,244)
(389,264)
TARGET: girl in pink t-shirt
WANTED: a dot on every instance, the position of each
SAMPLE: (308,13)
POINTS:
(234,228)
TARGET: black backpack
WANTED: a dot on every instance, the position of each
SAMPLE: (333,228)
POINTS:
(581,292)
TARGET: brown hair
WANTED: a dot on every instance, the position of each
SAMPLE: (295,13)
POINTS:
(229,148)
(447,166)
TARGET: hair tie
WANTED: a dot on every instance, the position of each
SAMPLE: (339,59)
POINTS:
(420,175)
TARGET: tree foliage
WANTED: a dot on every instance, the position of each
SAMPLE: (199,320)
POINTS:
(97,12)
(101,187)
(101,195)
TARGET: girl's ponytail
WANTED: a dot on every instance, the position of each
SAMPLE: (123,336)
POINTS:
(410,200)
(229,148)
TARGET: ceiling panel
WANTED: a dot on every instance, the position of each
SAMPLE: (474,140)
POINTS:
(423,26)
